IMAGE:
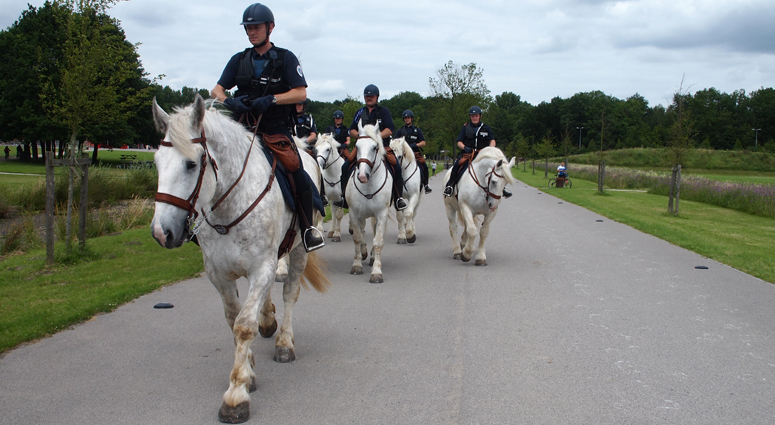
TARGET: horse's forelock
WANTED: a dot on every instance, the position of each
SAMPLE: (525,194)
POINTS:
(372,132)
(214,123)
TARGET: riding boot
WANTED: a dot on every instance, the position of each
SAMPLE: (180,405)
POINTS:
(507,193)
(323,197)
(398,185)
(424,175)
(311,238)
(342,203)
(450,188)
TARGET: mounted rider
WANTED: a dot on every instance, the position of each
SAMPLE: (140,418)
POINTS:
(269,83)
(474,136)
(379,116)
(340,132)
(414,137)
(304,126)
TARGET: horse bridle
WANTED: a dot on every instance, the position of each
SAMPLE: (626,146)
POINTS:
(371,165)
(326,165)
(190,203)
(488,175)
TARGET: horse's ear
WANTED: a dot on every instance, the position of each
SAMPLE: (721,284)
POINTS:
(360,127)
(199,112)
(160,118)
(513,161)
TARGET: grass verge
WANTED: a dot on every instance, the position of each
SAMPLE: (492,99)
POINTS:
(36,301)
(737,239)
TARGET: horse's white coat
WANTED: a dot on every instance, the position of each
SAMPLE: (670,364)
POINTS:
(371,181)
(410,170)
(250,248)
(330,163)
(473,206)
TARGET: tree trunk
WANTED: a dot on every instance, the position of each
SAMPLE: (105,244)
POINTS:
(94,154)
(534,166)
(546,169)
(600,176)
(34,151)
(70,184)
(671,190)
(677,188)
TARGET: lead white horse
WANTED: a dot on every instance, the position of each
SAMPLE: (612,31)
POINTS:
(368,194)
(475,202)
(330,163)
(410,170)
(214,177)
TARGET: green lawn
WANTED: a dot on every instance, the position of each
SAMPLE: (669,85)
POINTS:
(36,300)
(740,240)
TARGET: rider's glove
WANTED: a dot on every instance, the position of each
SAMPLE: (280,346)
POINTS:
(236,104)
(263,103)
(413,146)
(468,149)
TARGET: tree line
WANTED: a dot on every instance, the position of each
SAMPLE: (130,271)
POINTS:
(68,74)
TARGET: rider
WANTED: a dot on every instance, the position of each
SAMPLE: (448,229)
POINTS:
(561,170)
(413,135)
(269,81)
(474,135)
(374,114)
(340,133)
(304,126)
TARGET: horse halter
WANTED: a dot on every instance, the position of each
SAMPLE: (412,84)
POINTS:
(190,203)
(489,175)
(373,169)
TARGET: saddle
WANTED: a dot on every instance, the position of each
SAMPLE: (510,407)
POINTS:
(463,163)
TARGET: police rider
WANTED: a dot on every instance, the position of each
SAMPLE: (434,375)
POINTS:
(269,82)
(374,114)
(474,136)
(304,126)
(340,132)
(414,137)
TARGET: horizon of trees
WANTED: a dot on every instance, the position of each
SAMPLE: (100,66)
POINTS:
(32,61)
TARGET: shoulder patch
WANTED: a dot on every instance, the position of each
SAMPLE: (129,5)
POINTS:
(298,69)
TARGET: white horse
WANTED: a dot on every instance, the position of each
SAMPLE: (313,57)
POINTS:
(478,194)
(410,170)
(330,163)
(368,195)
(214,176)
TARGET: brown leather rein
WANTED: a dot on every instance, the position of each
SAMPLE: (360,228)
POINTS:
(373,170)
(489,175)
(190,203)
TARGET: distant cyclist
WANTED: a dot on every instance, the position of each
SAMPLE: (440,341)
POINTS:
(561,171)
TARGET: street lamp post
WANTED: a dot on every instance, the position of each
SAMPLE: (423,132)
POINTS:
(756,136)
(579,129)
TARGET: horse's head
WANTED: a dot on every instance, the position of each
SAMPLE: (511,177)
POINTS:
(402,150)
(496,174)
(326,148)
(370,151)
(186,176)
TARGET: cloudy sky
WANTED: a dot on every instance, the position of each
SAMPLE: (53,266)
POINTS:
(537,49)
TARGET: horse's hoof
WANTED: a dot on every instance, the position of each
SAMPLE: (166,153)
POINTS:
(331,234)
(253,385)
(364,253)
(413,239)
(234,415)
(336,239)
(280,278)
(481,262)
(464,258)
(284,354)
(456,256)
(268,331)
(351,231)
(356,270)
(376,278)
(401,241)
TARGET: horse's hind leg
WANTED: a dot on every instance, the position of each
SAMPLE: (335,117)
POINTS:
(452,218)
(267,324)
(470,233)
(481,256)
(282,270)
(401,218)
(357,267)
(336,224)
(284,351)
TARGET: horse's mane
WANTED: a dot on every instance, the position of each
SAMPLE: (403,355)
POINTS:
(372,132)
(406,151)
(326,138)
(496,154)
(216,122)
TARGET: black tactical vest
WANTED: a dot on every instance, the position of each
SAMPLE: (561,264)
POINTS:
(363,116)
(477,138)
(271,81)
(304,128)
(411,135)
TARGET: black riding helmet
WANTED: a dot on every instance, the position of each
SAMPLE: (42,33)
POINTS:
(338,114)
(371,90)
(475,110)
(256,14)
(408,113)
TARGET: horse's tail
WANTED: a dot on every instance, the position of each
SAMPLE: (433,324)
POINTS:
(315,274)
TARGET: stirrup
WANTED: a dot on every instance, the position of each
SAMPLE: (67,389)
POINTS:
(324,200)
(448,191)
(506,193)
(428,189)
(400,204)
(311,240)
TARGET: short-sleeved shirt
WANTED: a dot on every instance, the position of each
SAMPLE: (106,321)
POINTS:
(478,137)
(292,72)
(379,112)
(412,134)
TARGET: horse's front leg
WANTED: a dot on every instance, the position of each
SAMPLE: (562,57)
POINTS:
(379,242)
(484,231)
(401,218)
(337,225)
(284,350)
(282,270)
(470,232)
(236,400)
(411,236)
(356,225)
(452,218)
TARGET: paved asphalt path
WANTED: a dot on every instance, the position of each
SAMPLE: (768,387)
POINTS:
(575,321)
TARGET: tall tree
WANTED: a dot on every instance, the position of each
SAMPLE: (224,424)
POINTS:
(455,89)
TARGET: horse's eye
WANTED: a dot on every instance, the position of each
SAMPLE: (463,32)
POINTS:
(190,165)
